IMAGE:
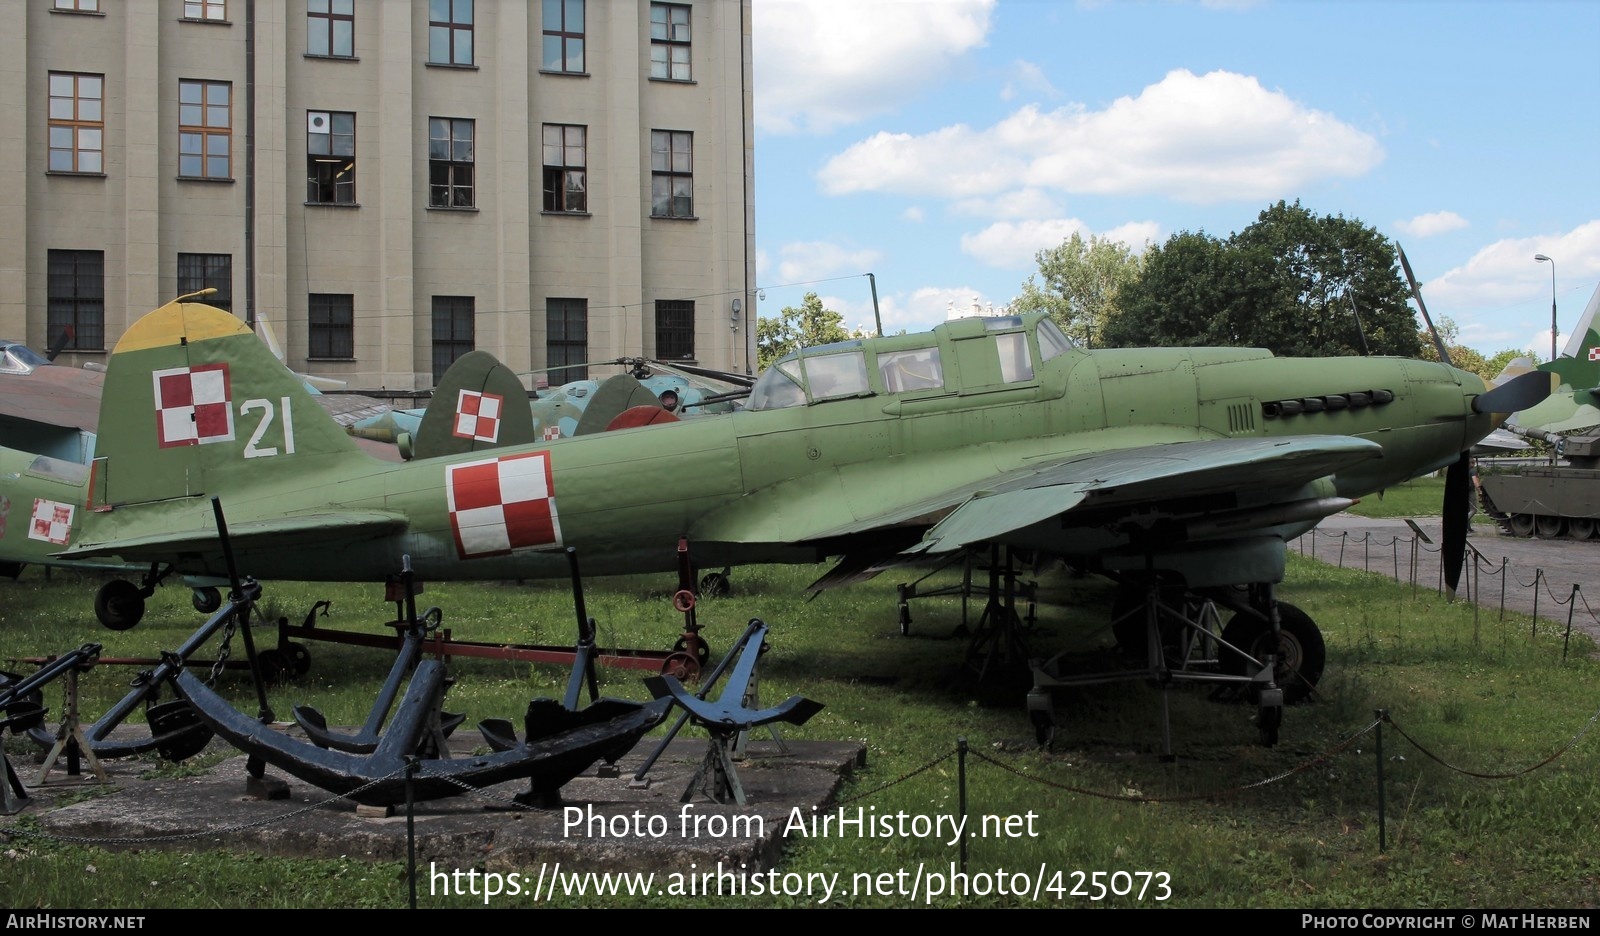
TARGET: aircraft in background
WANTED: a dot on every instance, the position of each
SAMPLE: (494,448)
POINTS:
(1167,468)
(565,411)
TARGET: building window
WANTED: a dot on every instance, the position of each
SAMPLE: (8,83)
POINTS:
(566,339)
(671,174)
(205,10)
(333,326)
(669,41)
(449,163)
(77,122)
(207,271)
(77,299)
(675,329)
(452,331)
(450,32)
(566,185)
(78,6)
(331,28)
(205,129)
(330,158)
(563,36)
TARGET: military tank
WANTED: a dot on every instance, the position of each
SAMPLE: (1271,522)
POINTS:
(1551,501)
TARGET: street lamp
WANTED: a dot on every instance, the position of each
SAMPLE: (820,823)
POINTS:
(1543,259)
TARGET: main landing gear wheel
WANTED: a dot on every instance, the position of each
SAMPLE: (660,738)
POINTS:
(1300,651)
(1521,525)
(206,599)
(119,604)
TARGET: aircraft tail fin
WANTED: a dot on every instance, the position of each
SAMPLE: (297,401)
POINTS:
(616,394)
(479,404)
(194,400)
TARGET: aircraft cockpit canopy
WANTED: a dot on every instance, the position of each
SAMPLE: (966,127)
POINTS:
(18,358)
(911,363)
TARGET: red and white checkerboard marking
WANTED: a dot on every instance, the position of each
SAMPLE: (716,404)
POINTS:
(478,416)
(52,521)
(498,505)
(1594,353)
(552,433)
(194,405)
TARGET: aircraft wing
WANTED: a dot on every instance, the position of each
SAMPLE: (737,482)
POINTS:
(960,503)
(274,532)
(1131,477)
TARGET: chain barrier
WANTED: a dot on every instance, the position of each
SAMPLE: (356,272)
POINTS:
(1187,797)
(1573,742)
(479,793)
(1481,562)
(902,778)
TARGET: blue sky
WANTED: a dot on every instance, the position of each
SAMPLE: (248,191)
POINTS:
(940,143)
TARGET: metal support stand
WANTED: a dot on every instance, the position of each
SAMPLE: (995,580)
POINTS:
(70,739)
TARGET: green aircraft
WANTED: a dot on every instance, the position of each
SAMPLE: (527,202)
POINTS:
(1186,467)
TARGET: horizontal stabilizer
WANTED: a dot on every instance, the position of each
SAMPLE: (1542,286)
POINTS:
(276,532)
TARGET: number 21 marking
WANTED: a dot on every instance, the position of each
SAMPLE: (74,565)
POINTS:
(251,450)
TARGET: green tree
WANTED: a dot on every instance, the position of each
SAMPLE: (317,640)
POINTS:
(797,328)
(1081,283)
(1286,283)
(1468,359)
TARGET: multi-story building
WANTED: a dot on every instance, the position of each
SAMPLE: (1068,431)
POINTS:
(387,183)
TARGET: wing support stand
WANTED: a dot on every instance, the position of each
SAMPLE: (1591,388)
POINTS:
(724,719)
(998,637)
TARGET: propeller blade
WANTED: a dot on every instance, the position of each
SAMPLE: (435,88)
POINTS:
(1517,394)
(1457,520)
(1417,295)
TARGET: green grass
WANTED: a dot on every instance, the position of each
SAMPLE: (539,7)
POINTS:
(1487,697)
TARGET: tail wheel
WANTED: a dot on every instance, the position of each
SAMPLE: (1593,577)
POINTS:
(1299,649)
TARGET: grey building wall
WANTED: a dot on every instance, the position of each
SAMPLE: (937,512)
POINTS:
(389,250)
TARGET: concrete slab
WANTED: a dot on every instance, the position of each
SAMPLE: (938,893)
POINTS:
(606,823)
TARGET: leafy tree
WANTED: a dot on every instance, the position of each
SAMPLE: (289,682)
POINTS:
(797,328)
(1082,281)
(1286,283)
(1468,359)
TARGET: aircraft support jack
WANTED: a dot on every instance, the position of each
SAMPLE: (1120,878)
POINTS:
(725,719)
(998,637)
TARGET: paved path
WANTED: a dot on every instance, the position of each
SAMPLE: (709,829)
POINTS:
(1388,546)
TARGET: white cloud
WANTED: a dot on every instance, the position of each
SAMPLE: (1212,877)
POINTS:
(1207,138)
(1013,245)
(1022,203)
(913,213)
(822,64)
(1427,225)
(806,261)
(1505,273)
(1027,77)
